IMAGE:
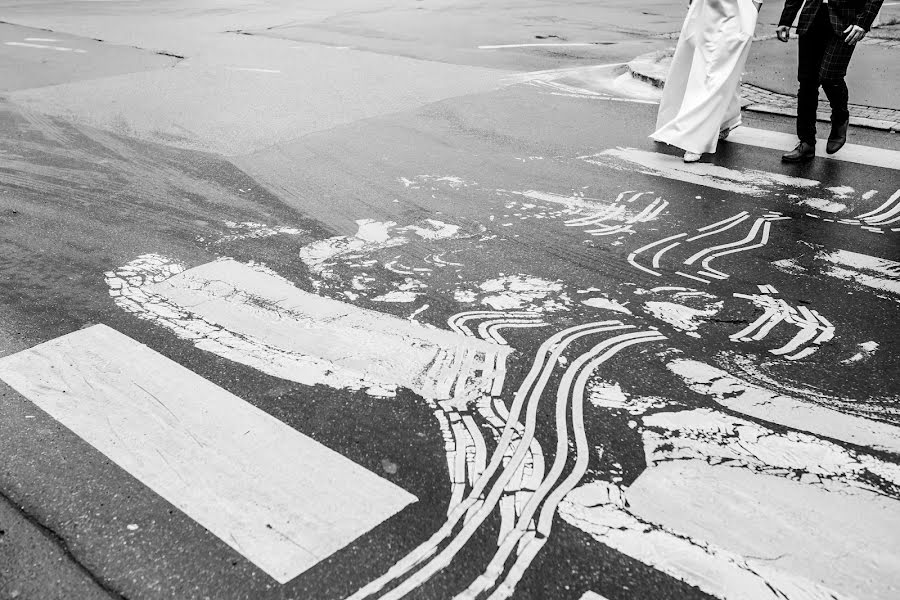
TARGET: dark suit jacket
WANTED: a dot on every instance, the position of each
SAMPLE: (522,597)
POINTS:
(844,13)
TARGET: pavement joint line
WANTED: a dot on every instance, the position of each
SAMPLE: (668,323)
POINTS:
(81,37)
(63,545)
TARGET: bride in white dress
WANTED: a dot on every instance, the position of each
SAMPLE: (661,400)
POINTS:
(700,103)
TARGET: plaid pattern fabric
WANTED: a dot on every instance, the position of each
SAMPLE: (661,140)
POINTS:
(843,13)
(835,59)
(824,58)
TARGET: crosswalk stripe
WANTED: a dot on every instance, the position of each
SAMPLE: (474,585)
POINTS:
(253,316)
(877,273)
(276,496)
(854,153)
(738,180)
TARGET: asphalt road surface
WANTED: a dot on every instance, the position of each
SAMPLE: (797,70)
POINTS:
(383,301)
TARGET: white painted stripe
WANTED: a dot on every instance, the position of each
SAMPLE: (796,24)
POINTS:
(276,496)
(592,596)
(549,44)
(659,255)
(252,316)
(45,47)
(863,155)
(633,256)
(33,39)
(253,70)
(871,271)
(714,272)
(741,181)
(886,217)
(479,504)
(801,413)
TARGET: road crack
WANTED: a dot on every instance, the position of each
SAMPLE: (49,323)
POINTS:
(63,545)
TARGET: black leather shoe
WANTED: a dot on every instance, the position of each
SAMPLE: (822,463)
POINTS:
(838,137)
(802,153)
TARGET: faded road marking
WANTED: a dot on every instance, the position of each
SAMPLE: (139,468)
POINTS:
(741,181)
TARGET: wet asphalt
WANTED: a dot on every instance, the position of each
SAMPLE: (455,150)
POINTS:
(77,201)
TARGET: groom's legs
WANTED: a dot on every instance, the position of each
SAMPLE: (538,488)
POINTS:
(831,75)
(813,45)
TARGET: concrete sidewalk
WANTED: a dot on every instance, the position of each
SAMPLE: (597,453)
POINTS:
(770,79)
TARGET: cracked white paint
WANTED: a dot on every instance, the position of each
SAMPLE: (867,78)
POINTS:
(605,303)
(605,394)
(250,315)
(355,252)
(802,414)
(465,296)
(873,272)
(743,181)
(371,236)
(789,265)
(780,527)
(720,439)
(682,317)
(573,203)
(601,509)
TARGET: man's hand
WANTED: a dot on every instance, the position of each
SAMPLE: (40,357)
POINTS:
(783,32)
(854,34)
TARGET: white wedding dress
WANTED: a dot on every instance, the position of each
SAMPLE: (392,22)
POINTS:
(700,97)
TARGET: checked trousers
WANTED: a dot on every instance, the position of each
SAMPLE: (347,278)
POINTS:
(824,58)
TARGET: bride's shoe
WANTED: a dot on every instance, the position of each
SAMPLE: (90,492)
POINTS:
(724,133)
(690,157)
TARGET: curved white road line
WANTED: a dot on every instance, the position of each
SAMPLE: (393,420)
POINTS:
(457,321)
(608,213)
(803,336)
(493,330)
(766,328)
(743,333)
(750,237)
(659,255)
(883,207)
(529,551)
(722,222)
(609,230)
(882,218)
(487,505)
(765,240)
(694,277)
(445,556)
(726,227)
(511,322)
(534,382)
(633,255)
(546,490)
